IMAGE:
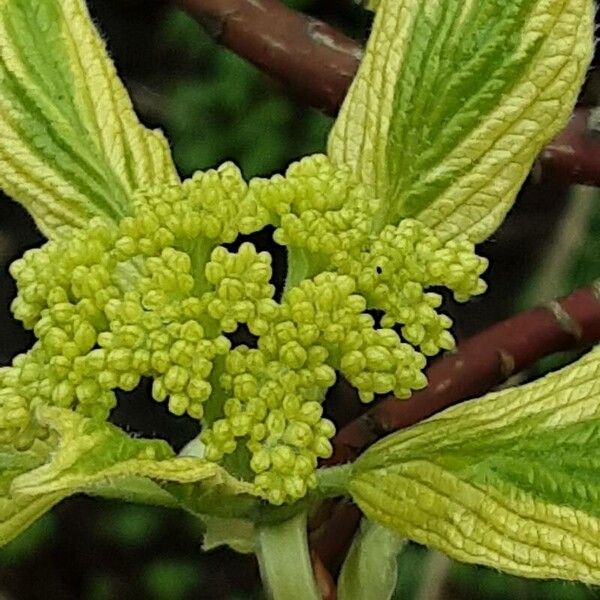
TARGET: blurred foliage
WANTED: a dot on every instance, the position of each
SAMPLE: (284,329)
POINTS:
(38,534)
(232,97)
(171,579)
(571,262)
(585,266)
(473,582)
(460,581)
(215,107)
(129,526)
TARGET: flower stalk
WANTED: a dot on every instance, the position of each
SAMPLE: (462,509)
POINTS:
(285,562)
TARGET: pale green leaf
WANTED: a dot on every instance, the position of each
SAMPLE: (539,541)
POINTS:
(18,514)
(370,570)
(91,454)
(453,101)
(511,480)
(207,502)
(99,459)
(238,534)
(221,496)
(71,146)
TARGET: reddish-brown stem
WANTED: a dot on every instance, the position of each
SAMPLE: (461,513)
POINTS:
(323,577)
(308,57)
(317,63)
(574,155)
(479,364)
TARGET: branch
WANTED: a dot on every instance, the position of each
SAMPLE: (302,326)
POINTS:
(574,155)
(318,63)
(304,54)
(479,364)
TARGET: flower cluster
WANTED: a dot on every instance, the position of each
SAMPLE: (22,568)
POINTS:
(318,207)
(157,294)
(398,267)
(110,305)
(277,389)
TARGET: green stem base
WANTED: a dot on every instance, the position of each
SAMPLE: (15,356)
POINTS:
(284,559)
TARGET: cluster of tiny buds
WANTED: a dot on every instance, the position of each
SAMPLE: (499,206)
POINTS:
(270,412)
(110,305)
(317,206)
(242,288)
(277,389)
(394,273)
(157,294)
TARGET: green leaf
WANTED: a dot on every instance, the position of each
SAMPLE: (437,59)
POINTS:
(92,454)
(209,504)
(71,146)
(370,570)
(453,101)
(238,534)
(88,453)
(220,496)
(511,480)
(99,459)
(18,514)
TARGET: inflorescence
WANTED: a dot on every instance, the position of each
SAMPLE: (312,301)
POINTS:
(155,295)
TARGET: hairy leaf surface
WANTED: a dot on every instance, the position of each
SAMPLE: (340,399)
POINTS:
(511,480)
(453,101)
(71,146)
(91,453)
(97,458)
(16,514)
